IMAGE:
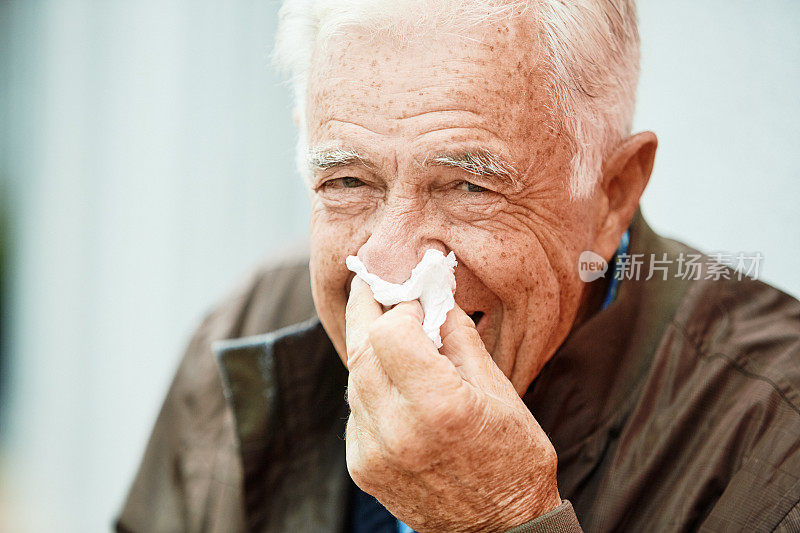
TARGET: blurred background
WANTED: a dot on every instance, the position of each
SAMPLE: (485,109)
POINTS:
(146,165)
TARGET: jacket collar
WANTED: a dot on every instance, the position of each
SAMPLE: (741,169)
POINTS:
(584,394)
(286,390)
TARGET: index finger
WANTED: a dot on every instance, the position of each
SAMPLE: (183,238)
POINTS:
(362,310)
(407,354)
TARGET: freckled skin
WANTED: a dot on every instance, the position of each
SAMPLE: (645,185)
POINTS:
(517,248)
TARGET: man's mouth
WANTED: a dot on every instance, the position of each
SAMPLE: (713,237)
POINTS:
(476,317)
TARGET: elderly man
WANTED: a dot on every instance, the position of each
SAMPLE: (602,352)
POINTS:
(500,131)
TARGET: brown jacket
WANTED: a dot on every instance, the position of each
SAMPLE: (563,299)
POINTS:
(676,408)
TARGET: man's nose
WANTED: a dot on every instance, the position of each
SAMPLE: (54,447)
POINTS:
(398,241)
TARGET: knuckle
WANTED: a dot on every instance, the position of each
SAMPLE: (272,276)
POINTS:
(357,469)
(550,457)
(363,468)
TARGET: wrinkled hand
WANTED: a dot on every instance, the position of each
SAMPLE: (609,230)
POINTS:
(440,438)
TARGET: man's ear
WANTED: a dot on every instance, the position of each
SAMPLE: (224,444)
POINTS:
(625,175)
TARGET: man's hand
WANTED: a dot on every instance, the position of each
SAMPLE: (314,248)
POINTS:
(440,438)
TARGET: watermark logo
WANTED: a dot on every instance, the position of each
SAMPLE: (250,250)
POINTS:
(591,266)
(685,266)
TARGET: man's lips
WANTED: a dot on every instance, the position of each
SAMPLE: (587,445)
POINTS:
(476,317)
(481,321)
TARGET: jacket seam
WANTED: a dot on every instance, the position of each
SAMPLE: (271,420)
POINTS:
(791,508)
(734,365)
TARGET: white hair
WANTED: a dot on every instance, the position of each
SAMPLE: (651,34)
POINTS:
(588,51)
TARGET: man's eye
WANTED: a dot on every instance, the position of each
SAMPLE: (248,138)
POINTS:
(350,182)
(469,187)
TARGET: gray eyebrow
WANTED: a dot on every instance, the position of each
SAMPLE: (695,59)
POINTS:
(479,162)
(327,158)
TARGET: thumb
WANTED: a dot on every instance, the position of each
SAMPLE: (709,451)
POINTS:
(462,344)
(362,310)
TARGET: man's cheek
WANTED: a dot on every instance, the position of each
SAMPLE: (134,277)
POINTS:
(331,243)
(329,276)
(328,291)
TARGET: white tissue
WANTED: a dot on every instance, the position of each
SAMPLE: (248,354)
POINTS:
(432,282)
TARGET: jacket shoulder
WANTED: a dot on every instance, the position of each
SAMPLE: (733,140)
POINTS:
(278,294)
(275,294)
(190,477)
(745,347)
(751,326)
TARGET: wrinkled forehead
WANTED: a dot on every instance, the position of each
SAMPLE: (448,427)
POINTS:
(489,70)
